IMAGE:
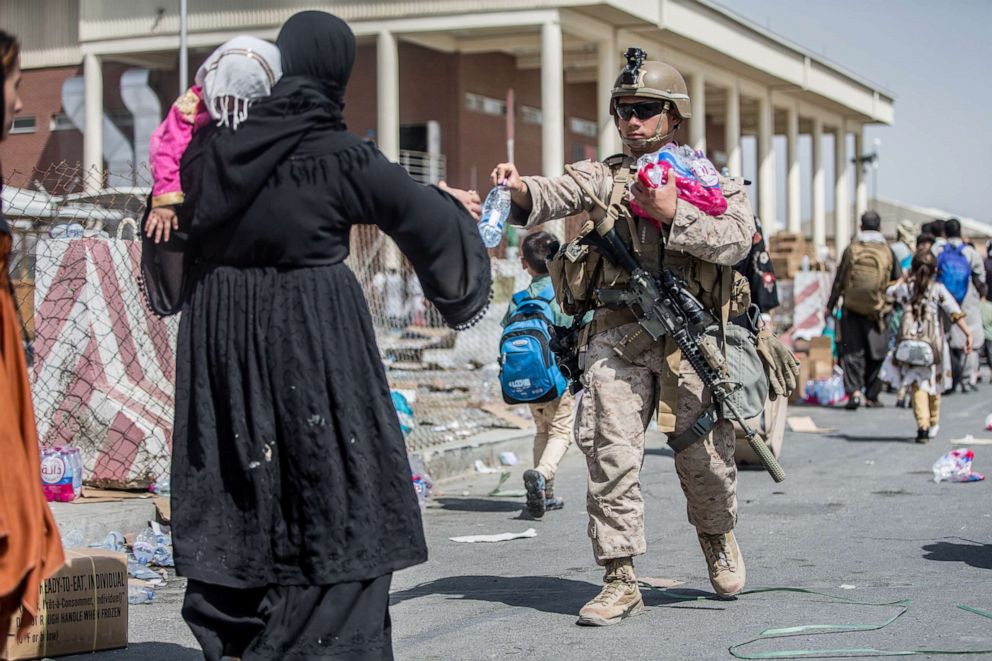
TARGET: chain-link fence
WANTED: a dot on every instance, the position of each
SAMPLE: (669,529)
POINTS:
(103,367)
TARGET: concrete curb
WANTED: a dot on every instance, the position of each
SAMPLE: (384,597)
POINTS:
(443,463)
(95,520)
(457,459)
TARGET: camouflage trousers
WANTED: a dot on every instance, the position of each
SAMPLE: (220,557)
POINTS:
(617,403)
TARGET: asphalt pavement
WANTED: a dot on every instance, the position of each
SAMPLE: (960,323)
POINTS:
(858,518)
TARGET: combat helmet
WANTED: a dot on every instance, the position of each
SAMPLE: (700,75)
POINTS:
(651,79)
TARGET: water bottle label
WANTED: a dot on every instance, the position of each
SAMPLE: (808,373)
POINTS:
(53,470)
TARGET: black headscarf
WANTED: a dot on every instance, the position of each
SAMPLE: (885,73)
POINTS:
(320,46)
(318,52)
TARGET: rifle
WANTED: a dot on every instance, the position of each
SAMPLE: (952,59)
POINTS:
(666,307)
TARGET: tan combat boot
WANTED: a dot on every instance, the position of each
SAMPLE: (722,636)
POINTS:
(725,563)
(619,598)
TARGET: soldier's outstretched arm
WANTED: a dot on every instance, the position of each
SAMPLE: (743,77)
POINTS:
(537,200)
(724,239)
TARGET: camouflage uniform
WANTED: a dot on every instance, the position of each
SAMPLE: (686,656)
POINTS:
(620,396)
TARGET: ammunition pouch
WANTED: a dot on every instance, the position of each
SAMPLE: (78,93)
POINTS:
(573,270)
(703,280)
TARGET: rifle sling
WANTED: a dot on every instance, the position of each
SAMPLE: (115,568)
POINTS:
(697,431)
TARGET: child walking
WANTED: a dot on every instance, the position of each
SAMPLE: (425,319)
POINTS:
(554,419)
(922,298)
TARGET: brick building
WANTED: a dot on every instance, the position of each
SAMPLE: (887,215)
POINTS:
(431,84)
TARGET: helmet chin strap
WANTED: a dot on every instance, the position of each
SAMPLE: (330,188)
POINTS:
(656,140)
(646,143)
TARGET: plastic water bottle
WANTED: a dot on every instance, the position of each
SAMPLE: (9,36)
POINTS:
(139,594)
(144,546)
(495,211)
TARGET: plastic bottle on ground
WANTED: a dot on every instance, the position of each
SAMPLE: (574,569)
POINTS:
(144,546)
(139,594)
(163,487)
(495,211)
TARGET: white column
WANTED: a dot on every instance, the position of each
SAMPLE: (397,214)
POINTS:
(794,210)
(697,125)
(819,188)
(552,108)
(388,120)
(606,75)
(388,92)
(766,165)
(93,123)
(732,131)
(860,184)
(842,210)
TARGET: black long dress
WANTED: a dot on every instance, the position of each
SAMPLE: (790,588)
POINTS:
(289,467)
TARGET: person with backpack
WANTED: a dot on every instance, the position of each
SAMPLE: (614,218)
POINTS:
(530,375)
(961,270)
(920,359)
(866,270)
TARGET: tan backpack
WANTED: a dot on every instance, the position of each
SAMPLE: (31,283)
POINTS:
(867,278)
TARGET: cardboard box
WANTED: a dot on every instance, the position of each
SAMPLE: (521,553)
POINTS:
(786,264)
(821,350)
(821,369)
(821,343)
(83,608)
(799,394)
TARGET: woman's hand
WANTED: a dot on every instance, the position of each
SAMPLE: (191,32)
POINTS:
(659,203)
(161,221)
(469,198)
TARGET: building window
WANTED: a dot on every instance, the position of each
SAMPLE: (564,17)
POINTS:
(24,124)
(583,127)
(61,122)
(531,115)
(485,104)
(581,152)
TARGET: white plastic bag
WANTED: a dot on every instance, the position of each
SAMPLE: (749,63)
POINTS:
(955,466)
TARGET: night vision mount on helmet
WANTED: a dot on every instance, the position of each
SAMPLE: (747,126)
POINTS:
(651,79)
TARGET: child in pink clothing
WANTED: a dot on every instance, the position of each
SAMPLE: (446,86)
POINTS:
(241,71)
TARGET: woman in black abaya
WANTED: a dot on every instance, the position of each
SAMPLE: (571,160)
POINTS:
(292,498)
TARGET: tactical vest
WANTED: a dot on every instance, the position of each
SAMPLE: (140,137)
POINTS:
(578,271)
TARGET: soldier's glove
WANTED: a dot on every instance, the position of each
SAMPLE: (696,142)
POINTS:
(781,365)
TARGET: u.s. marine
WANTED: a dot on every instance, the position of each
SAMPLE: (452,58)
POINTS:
(626,379)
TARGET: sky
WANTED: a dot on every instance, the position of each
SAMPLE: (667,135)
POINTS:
(936,58)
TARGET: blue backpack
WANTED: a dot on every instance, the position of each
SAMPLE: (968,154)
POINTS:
(529,372)
(954,271)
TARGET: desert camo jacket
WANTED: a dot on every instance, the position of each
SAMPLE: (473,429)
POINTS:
(723,240)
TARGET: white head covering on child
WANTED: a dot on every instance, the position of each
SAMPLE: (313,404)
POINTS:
(241,71)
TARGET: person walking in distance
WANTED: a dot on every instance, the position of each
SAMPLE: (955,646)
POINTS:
(961,270)
(553,419)
(866,270)
(920,334)
(625,383)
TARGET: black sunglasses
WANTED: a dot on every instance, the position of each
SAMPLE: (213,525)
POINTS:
(642,111)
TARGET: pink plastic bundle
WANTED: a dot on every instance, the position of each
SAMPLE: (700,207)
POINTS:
(696,179)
